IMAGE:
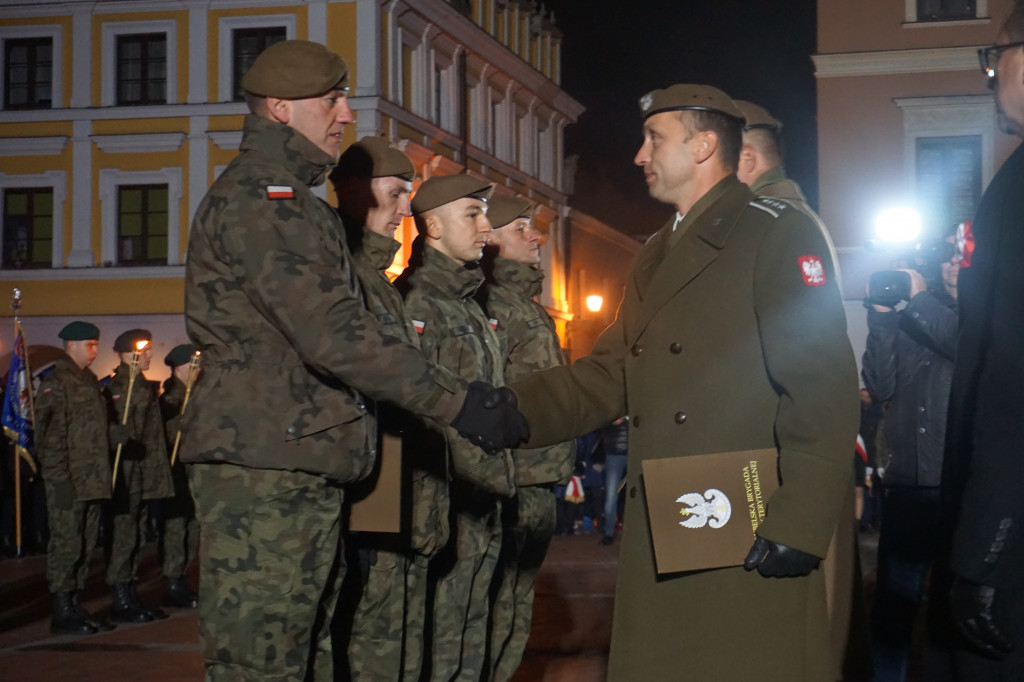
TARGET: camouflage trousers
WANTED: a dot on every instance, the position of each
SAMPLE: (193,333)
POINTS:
(181,531)
(462,574)
(528,523)
(73,528)
(270,567)
(129,525)
(386,642)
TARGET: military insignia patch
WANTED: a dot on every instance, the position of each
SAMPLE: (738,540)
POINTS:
(713,509)
(280,192)
(419,325)
(646,101)
(812,270)
(493,321)
(116,398)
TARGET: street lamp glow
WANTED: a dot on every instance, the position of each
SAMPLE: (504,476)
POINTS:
(594,303)
(898,225)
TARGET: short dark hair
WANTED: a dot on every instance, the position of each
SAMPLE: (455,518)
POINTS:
(768,141)
(729,131)
(257,103)
(1013,27)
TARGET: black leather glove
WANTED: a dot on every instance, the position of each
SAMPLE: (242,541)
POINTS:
(119,434)
(489,418)
(971,606)
(773,560)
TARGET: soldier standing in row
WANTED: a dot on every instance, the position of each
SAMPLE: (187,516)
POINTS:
(74,457)
(439,286)
(529,344)
(181,532)
(143,474)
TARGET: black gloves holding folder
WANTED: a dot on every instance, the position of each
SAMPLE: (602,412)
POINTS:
(773,560)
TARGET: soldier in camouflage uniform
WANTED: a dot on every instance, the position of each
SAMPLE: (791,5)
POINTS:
(279,422)
(143,474)
(529,344)
(373,181)
(439,285)
(180,540)
(72,447)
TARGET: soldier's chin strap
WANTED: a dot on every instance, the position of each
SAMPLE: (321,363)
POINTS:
(773,560)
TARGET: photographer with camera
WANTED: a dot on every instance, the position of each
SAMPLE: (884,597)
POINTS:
(909,364)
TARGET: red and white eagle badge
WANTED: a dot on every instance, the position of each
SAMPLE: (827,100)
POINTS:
(812,270)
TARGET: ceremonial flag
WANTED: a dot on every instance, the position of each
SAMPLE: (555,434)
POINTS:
(17,412)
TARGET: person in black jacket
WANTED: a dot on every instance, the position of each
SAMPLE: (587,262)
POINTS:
(908,363)
(985,446)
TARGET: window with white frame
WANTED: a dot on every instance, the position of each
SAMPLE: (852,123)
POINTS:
(936,11)
(28,227)
(140,216)
(139,64)
(240,41)
(30,61)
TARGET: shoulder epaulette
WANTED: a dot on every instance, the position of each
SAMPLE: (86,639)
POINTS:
(773,207)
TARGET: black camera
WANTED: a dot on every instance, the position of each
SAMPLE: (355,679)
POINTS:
(889,287)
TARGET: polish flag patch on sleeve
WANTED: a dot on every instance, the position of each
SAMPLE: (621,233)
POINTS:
(419,325)
(280,192)
(493,322)
(812,270)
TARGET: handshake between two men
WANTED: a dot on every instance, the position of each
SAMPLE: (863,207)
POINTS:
(490,418)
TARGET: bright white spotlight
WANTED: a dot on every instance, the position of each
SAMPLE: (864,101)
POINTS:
(898,225)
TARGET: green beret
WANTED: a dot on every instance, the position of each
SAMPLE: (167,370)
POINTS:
(296,69)
(444,189)
(692,97)
(503,210)
(180,355)
(125,343)
(374,157)
(79,331)
(757,117)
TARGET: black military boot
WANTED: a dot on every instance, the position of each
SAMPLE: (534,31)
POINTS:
(155,612)
(123,608)
(179,594)
(101,624)
(66,619)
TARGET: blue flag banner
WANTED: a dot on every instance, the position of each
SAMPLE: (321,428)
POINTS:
(17,412)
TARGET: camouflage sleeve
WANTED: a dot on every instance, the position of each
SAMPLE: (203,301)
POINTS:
(292,267)
(51,430)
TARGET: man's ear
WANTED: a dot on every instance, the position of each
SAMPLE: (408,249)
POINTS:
(433,224)
(707,143)
(748,159)
(279,110)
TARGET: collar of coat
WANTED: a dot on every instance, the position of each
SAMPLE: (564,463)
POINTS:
(287,147)
(525,280)
(774,183)
(448,275)
(375,250)
(66,364)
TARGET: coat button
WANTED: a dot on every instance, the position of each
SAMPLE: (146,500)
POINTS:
(676,347)
(637,349)
(632,492)
(680,417)
(636,422)
(922,429)
(291,429)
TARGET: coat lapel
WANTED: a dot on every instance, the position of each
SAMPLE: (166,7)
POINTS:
(650,257)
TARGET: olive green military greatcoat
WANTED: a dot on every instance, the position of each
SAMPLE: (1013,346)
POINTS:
(284,363)
(146,449)
(724,342)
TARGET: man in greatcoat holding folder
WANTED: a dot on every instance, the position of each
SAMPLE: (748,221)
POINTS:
(731,337)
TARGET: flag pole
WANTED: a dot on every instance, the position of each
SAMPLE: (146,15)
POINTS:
(15,304)
(133,371)
(193,372)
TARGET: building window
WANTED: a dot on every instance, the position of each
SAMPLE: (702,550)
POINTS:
(946,10)
(948,181)
(142,220)
(28,73)
(28,228)
(246,44)
(142,69)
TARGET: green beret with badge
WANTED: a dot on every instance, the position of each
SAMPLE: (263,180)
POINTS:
(503,210)
(374,157)
(757,116)
(692,97)
(444,189)
(126,342)
(296,69)
(79,330)
(180,355)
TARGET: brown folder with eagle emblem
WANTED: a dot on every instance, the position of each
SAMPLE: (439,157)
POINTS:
(703,509)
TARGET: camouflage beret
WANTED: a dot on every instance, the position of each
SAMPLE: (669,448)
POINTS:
(296,69)
(79,331)
(503,210)
(757,117)
(125,343)
(180,355)
(374,157)
(443,189)
(693,97)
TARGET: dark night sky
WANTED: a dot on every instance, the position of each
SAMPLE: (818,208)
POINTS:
(614,51)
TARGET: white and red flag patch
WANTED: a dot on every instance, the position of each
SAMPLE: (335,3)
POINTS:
(493,322)
(419,324)
(812,270)
(280,192)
